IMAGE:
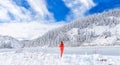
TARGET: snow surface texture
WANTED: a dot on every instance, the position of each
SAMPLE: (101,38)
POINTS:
(71,56)
(27,58)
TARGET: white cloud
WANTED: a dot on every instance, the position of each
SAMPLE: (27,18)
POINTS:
(26,30)
(3,14)
(8,6)
(78,7)
(40,7)
(23,15)
(24,25)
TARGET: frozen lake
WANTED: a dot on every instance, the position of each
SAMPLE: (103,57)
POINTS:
(104,50)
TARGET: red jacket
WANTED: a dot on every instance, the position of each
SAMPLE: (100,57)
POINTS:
(61,48)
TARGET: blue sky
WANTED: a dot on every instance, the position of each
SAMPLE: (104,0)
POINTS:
(36,17)
(58,8)
(61,10)
(104,5)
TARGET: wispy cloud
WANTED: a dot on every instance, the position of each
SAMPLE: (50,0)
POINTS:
(78,7)
(39,6)
(12,12)
(9,7)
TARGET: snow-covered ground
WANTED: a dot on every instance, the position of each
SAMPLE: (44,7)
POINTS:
(50,56)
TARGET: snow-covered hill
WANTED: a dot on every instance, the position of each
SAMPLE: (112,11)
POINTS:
(94,30)
(9,42)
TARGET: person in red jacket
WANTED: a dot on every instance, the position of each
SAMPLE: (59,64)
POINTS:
(61,48)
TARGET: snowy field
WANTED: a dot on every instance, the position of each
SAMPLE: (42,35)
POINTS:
(50,56)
